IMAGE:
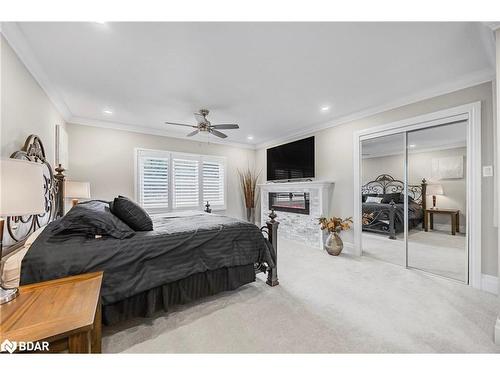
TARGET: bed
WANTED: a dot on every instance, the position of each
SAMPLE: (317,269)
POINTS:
(187,256)
(385,213)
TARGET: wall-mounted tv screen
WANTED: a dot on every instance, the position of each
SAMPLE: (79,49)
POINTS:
(291,161)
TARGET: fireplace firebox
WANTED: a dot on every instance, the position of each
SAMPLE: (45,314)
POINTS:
(289,202)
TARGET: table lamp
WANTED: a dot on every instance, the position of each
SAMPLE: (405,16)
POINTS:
(21,193)
(434,189)
(76,190)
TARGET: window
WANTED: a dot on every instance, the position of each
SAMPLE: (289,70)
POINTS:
(169,181)
(153,177)
(186,186)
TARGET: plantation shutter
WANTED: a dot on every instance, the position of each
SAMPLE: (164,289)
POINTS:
(213,182)
(153,180)
(185,182)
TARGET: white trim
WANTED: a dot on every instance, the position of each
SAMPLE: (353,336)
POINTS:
(472,112)
(470,80)
(489,283)
(151,131)
(21,47)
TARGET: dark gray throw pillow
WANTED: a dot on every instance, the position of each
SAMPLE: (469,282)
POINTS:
(93,218)
(131,213)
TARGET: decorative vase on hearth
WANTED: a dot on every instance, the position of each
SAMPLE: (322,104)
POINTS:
(333,244)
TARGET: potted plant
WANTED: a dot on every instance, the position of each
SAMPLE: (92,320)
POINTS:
(248,180)
(334,225)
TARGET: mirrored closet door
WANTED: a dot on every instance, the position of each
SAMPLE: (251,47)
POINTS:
(382,179)
(413,186)
(436,160)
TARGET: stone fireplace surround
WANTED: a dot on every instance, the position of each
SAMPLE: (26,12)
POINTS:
(294,226)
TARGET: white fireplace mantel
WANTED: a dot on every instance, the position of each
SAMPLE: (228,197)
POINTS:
(295,226)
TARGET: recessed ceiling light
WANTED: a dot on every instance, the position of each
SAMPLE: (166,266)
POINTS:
(100,22)
(325,108)
(411,146)
(107,111)
(250,137)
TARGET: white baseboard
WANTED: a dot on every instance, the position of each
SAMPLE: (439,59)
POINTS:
(489,283)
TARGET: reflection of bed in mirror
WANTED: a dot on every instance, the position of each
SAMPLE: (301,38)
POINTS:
(383,205)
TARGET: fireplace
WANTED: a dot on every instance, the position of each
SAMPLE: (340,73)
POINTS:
(289,202)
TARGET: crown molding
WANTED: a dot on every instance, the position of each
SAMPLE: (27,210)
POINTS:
(477,78)
(16,39)
(151,131)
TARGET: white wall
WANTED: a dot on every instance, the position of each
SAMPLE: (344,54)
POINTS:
(420,166)
(25,108)
(334,158)
(105,158)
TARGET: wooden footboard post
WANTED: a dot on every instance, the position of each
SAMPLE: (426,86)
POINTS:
(272,228)
(392,218)
(59,176)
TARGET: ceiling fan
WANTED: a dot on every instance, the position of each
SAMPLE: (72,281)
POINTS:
(205,126)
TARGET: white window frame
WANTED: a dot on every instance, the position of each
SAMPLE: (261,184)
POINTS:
(171,155)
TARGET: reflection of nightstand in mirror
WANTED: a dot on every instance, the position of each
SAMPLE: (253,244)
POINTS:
(454,214)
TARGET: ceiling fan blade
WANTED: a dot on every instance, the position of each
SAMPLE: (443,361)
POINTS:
(225,126)
(176,123)
(217,133)
(193,133)
(200,118)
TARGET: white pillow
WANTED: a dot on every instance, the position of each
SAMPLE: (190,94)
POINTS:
(374,199)
(11,270)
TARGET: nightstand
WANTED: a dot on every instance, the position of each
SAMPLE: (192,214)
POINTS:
(65,312)
(454,215)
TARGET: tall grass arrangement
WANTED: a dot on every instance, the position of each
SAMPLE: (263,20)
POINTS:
(248,182)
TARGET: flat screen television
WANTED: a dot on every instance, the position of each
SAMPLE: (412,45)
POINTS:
(291,161)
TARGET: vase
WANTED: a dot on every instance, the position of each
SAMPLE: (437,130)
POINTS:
(251,215)
(333,244)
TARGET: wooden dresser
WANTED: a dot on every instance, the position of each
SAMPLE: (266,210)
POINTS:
(65,312)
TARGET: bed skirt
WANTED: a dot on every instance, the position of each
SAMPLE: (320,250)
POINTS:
(179,292)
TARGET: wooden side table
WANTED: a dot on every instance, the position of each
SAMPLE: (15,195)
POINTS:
(454,214)
(64,312)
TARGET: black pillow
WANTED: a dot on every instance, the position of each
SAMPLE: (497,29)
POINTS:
(131,213)
(93,218)
(388,198)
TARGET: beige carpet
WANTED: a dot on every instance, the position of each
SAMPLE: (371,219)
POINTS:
(323,304)
(434,251)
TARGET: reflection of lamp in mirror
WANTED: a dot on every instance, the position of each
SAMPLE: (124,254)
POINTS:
(76,190)
(434,189)
(21,193)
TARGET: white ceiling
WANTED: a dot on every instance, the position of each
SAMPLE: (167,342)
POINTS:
(429,139)
(270,78)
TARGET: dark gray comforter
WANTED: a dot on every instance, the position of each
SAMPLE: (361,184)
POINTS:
(177,247)
(381,214)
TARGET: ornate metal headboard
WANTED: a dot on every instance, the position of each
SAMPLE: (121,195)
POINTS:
(385,184)
(18,228)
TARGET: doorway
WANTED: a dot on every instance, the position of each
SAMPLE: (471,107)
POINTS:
(415,193)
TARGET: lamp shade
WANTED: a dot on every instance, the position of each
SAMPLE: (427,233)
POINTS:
(434,189)
(77,190)
(22,189)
